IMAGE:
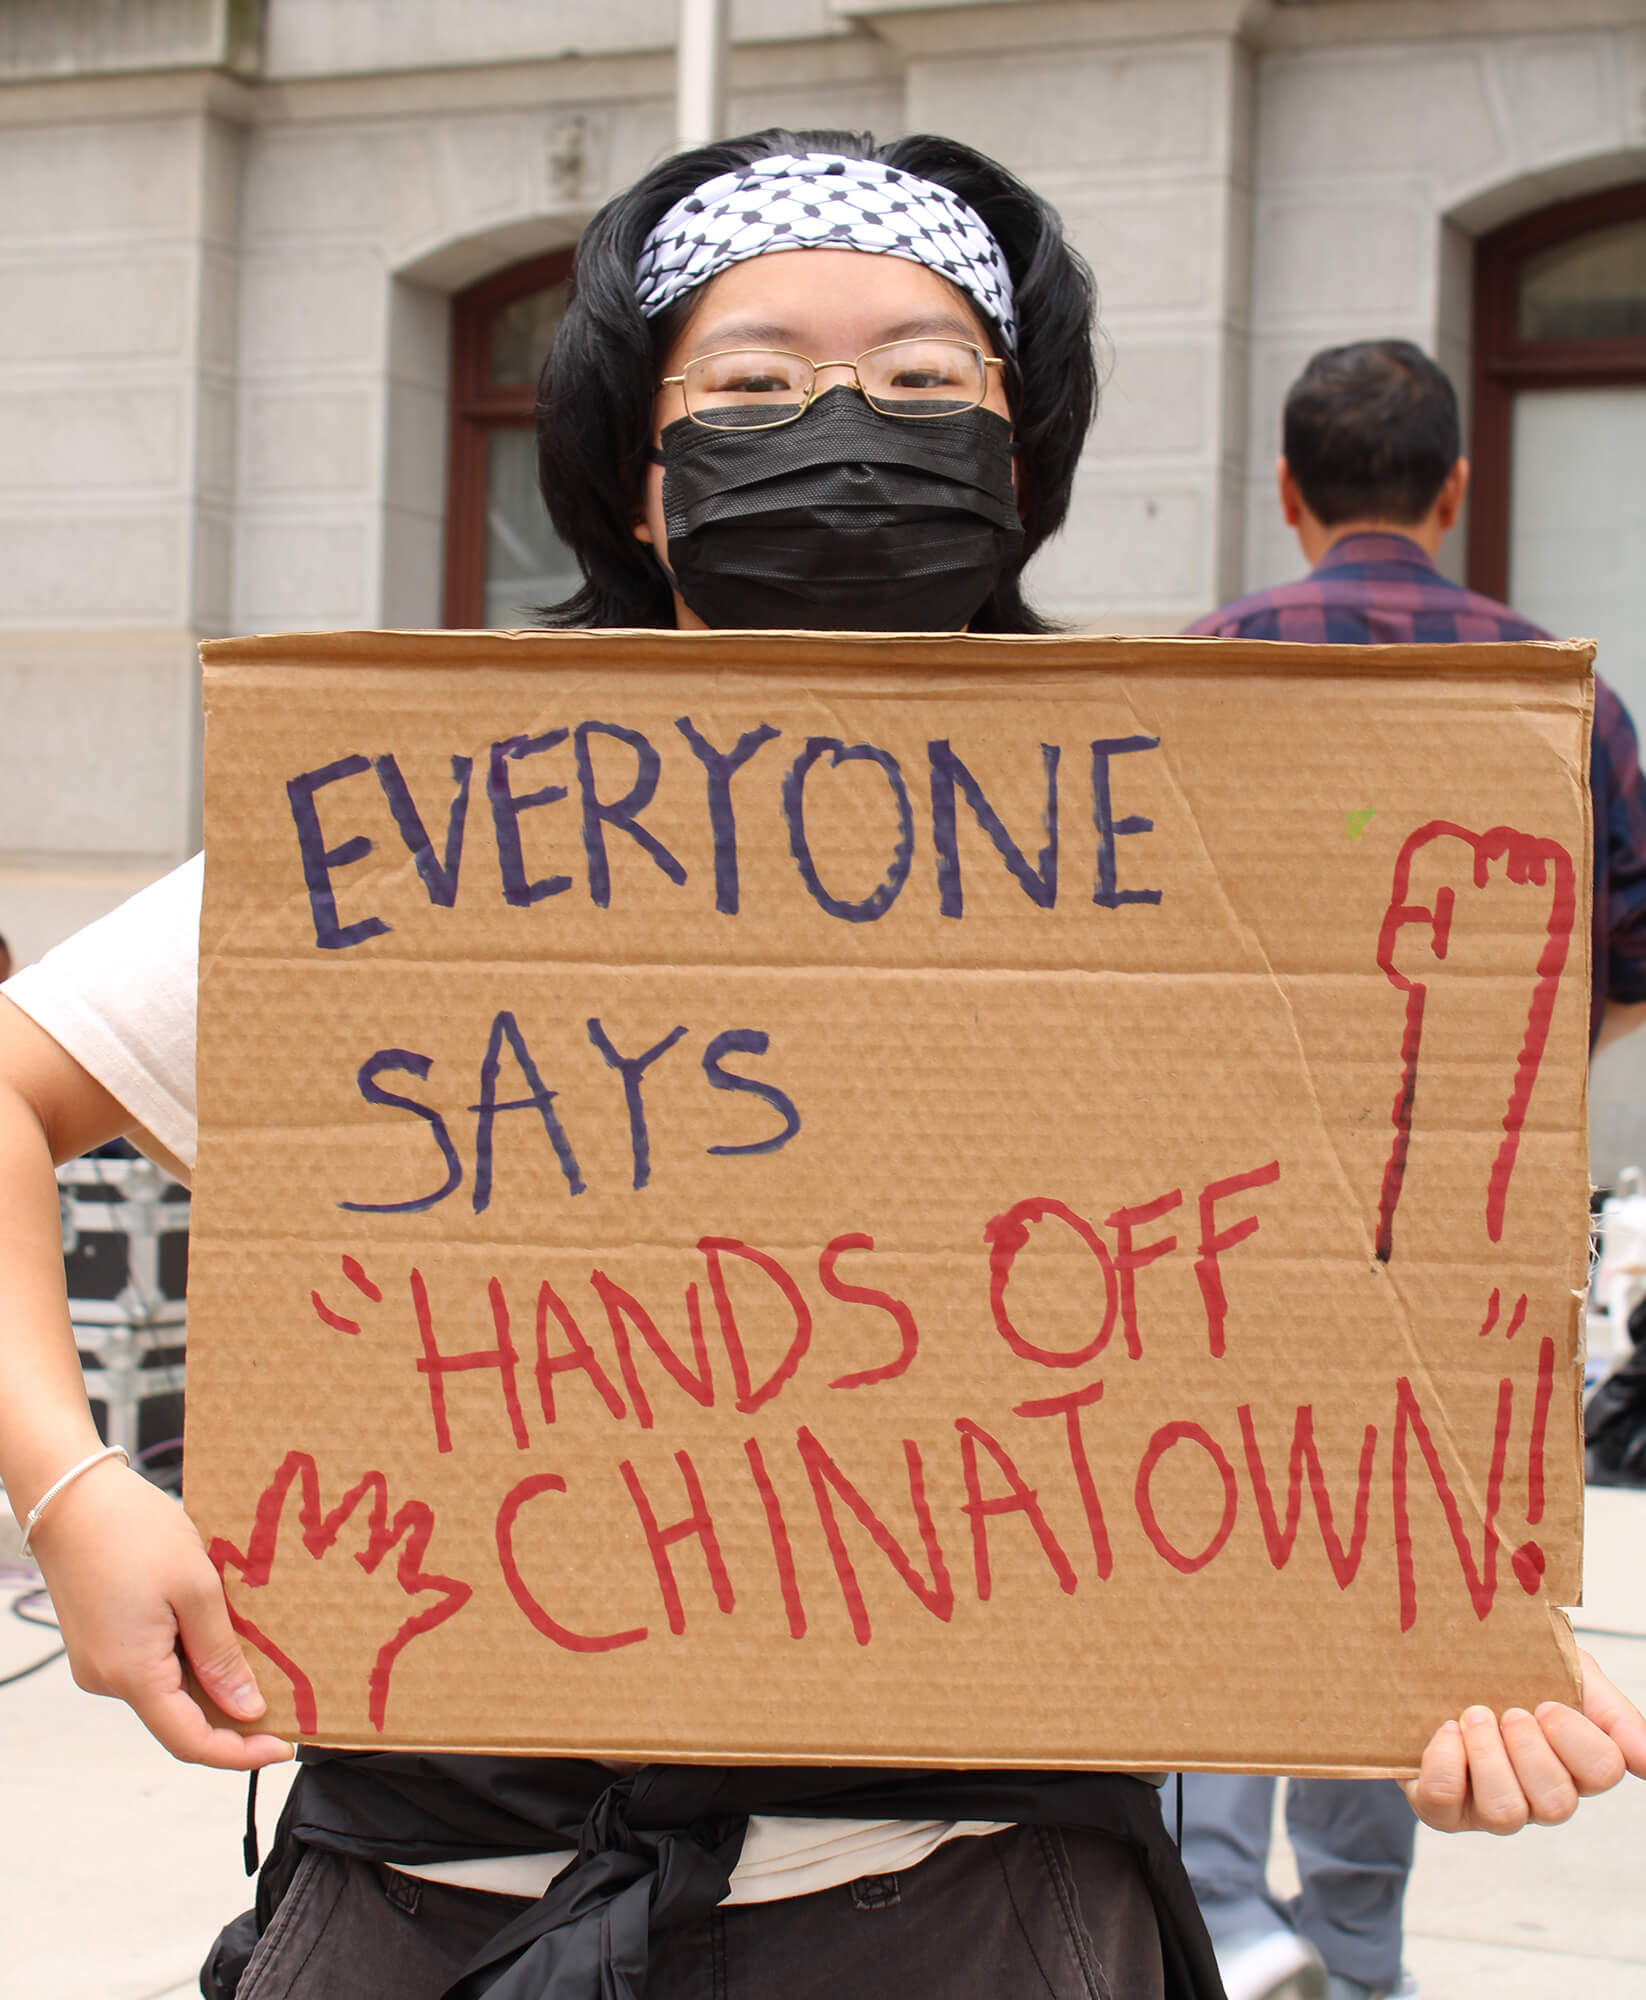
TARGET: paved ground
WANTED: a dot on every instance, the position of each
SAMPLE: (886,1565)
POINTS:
(117,1866)
(1556,1913)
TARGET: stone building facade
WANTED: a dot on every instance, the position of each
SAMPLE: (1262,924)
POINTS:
(233,231)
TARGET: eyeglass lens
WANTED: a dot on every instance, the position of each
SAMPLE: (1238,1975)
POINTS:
(749,387)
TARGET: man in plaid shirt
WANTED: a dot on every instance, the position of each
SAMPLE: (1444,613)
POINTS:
(1371,481)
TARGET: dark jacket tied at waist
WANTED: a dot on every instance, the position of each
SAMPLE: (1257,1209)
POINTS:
(656,1847)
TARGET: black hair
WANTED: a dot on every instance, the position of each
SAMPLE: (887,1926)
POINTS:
(1371,431)
(595,397)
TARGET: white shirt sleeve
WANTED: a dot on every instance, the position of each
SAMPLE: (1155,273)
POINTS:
(120,997)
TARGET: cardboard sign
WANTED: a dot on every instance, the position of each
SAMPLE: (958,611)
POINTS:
(893,1201)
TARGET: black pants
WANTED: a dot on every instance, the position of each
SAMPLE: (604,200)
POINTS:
(1034,1913)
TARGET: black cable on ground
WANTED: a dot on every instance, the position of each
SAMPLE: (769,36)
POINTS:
(20,1608)
(22,1674)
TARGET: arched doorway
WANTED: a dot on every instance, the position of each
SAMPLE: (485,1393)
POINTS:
(1558,514)
(502,558)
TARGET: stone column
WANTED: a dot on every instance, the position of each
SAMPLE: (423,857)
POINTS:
(116,353)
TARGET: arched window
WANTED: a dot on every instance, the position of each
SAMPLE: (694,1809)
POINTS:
(502,558)
(1558,515)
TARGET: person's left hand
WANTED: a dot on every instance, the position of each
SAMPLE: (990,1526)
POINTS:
(1486,1775)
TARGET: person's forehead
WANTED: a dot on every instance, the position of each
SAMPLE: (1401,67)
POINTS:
(839,300)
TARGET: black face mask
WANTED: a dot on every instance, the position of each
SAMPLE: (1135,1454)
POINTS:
(844,520)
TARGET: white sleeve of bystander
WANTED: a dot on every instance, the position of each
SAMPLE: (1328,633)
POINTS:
(119,996)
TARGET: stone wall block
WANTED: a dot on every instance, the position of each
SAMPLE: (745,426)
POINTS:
(1131,110)
(850,107)
(110,758)
(61,440)
(414,555)
(770,20)
(222,170)
(379,184)
(219,308)
(68,38)
(324,38)
(83,568)
(214,436)
(302,572)
(482,167)
(642,133)
(1156,250)
(1455,313)
(1357,113)
(213,571)
(1560,93)
(118,179)
(1160,400)
(302,310)
(415,448)
(299,441)
(1128,548)
(45,904)
(420,336)
(321,38)
(416,429)
(1327,262)
(1235,368)
(96,306)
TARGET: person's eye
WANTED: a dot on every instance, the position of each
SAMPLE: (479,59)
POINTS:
(925,368)
(750,375)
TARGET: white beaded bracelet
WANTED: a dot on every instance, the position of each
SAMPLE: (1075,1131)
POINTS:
(97,1457)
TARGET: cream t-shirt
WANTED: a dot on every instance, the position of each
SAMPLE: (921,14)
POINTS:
(120,997)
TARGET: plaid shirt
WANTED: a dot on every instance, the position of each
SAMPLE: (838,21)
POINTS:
(1381,589)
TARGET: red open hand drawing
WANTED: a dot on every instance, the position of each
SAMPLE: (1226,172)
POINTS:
(300,1586)
(1420,934)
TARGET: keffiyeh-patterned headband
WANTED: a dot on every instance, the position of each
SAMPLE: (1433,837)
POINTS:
(822,201)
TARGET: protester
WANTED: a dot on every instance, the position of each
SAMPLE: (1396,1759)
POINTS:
(1371,480)
(706,472)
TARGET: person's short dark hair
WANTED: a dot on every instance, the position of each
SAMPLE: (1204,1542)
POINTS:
(1371,432)
(595,397)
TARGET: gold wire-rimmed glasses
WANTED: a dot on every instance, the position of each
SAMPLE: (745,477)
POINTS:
(759,388)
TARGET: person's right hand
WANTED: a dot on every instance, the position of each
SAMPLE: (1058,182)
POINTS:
(135,1594)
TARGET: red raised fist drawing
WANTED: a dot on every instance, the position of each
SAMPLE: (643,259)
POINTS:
(1458,906)
(292,1596)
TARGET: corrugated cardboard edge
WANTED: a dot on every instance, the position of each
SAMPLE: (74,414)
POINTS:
(1560,1618)
(616,649)
(629,1754)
